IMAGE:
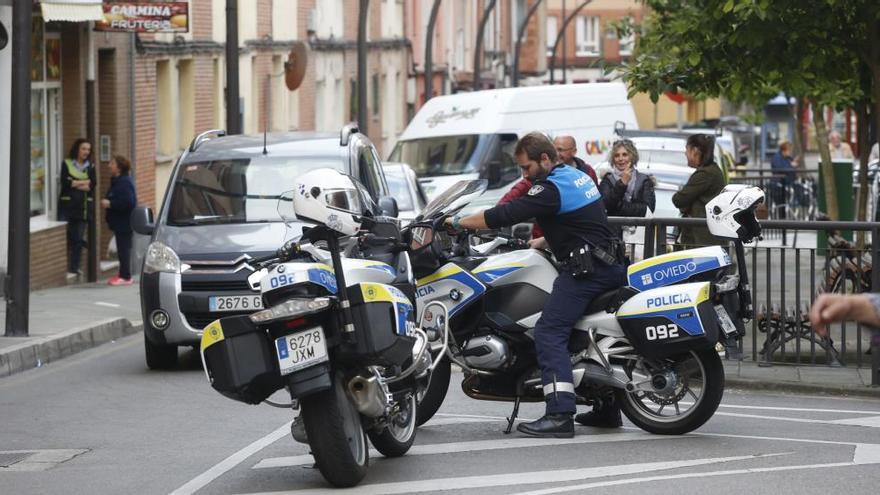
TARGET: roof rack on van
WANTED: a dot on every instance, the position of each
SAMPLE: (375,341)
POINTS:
(346,132)
(204,136)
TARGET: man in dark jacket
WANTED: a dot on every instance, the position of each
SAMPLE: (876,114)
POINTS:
(566,148)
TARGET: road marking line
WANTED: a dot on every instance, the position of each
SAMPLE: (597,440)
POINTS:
(107,305)
(838,422)
(481,446)
(514,479)
(797,409)
(230,462)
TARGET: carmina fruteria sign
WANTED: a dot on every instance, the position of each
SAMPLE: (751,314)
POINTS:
(145,17)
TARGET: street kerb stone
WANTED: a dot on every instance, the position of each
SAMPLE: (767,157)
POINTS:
(51,348)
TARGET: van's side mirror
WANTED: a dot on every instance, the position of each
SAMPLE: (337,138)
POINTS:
(493,173)
(388,206)
(142,220)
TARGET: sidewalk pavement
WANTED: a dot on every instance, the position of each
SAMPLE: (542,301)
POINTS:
(67,320)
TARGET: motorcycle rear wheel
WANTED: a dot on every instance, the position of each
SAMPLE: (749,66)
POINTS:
(336,435)
(431,399)
(395,439)
(705,369)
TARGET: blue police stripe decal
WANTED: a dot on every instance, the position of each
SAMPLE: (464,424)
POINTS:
(496,273)
(576,189)
(324,278)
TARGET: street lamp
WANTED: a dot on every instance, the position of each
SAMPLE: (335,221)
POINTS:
(479,46)
(519,35)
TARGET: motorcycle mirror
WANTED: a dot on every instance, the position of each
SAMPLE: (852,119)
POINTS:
(285,207)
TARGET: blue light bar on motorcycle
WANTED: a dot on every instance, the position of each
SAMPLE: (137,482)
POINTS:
(291,308)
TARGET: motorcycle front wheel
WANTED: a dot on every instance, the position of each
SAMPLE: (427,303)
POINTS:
(398,436)
(696,386)
(430,400)
(336,435)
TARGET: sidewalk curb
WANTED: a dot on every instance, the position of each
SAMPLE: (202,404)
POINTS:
(801,387)
(37,352)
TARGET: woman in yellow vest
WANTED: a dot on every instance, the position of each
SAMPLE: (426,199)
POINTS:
(75,203)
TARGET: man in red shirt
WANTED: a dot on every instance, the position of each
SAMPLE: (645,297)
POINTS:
(566,147)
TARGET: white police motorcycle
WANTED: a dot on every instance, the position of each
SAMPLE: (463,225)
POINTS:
(343,342)
(650,343)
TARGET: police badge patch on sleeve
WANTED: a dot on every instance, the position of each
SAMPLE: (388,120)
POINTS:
(535,190)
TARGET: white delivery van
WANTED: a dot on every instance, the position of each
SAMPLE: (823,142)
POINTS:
(473,135)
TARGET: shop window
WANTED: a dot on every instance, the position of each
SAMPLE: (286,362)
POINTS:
(46,145)
(587,36)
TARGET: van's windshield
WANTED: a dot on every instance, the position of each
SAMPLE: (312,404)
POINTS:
(444,155)
(237,190)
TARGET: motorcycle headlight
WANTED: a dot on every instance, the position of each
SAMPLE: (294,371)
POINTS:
(161,259)
(291,308)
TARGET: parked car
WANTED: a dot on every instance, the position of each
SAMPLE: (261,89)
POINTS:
(221,210)
(406,189)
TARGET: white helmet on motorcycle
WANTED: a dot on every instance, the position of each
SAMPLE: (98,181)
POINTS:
(731,214)
(328,197)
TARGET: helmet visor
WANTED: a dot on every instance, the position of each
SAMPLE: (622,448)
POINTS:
(344,199)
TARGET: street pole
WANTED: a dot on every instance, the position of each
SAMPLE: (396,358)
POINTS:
(564,50)
(519,35)
(429,52)
(479,47)
(18,265)
(94,252)
(561,36)
(363,10)
(233,106)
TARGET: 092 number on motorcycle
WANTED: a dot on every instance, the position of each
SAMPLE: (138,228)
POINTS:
(661,332)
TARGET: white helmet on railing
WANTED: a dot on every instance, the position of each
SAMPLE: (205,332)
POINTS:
(731,214)
(328,197)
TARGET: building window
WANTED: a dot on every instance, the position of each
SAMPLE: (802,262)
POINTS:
(587,36)
(46,150)
(552,32)
(376,101)
(629,41)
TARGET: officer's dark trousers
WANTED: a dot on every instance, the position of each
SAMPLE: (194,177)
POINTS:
(76,231)
(566,305)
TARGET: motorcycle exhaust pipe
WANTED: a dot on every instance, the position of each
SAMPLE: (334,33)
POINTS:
(368,396)
(597,374)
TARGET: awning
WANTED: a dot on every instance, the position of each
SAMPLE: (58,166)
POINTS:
(72,10)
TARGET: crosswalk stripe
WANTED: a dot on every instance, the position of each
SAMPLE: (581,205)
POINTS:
(482,445)
(517,479)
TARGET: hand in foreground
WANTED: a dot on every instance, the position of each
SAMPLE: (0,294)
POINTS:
(833,308)
(539,243)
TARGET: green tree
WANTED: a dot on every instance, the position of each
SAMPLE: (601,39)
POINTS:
(826,51)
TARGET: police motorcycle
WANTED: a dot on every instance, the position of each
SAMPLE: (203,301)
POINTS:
(649,345)
(342,342)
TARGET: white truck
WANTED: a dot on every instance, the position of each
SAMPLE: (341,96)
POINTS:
(467,136)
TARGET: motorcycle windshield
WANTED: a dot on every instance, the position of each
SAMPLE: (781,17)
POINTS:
(455,198)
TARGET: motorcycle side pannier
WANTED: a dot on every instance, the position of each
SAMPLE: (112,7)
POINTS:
(383,321)
(667,321)
(239,360)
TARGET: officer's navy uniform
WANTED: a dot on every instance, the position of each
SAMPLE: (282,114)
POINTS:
(568,207)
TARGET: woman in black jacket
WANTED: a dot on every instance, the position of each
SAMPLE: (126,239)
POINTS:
(119,201)
(626,192)
(75,202)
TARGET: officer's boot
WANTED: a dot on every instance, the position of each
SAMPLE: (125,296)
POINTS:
(550,426)
(604,415)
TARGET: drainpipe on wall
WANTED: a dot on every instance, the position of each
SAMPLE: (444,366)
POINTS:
(94,251)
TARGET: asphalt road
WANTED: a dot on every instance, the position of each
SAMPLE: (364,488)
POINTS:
(100,423)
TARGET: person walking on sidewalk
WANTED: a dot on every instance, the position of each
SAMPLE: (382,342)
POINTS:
(75,203)
(119,202)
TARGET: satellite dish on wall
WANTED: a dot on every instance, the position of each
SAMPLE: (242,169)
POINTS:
(4,36)
(295,67)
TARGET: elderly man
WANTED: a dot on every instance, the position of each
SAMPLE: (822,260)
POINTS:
(837,147)
(566,147)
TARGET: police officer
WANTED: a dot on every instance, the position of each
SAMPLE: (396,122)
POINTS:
(568,208)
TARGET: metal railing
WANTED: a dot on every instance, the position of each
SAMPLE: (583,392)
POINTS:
(785,281)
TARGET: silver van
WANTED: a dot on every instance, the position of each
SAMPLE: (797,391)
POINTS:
(219,212)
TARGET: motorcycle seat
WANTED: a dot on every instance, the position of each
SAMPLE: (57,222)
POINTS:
(610,301)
